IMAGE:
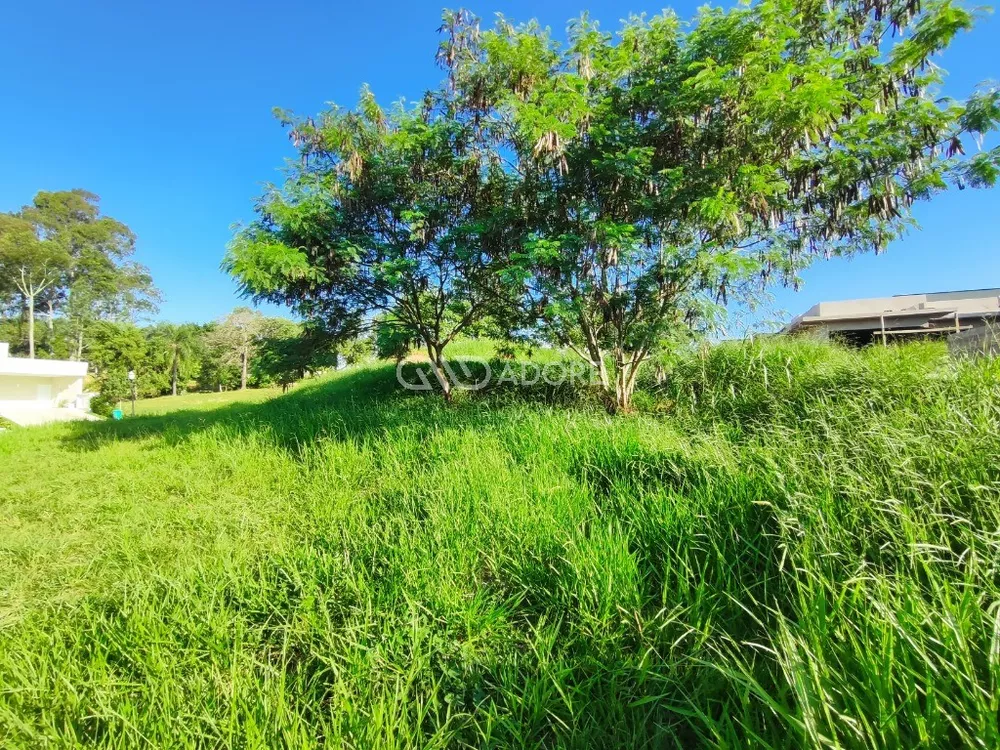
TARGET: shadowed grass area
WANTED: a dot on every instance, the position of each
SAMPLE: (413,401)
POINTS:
(188,401)
(794,545)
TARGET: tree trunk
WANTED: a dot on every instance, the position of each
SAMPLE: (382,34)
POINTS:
(31,327)
(79,344)
(602,371)
(594,351)
(626,375)
(243,374)
(624,388)
(51,324)
(173,375)
(436,354)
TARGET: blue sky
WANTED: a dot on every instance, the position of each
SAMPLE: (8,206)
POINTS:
(164,110)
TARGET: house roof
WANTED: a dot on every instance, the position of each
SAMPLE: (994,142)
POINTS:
(933,305)
(985,291)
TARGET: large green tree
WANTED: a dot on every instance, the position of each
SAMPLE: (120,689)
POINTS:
(403,212)
(288,352)
(236,339)
(633,184)
(29,265)
(669,168)
(101,281)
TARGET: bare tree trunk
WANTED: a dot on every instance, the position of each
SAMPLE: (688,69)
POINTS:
(173,376)
(243,374)
(51,325)
(602,371)
(624,388)
(626,375)
(31,326)
(436,354)
(594,351)
(79,344)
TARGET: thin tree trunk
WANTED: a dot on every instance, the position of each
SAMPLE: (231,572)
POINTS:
(243,375)
(50,323)
(173,376)
(624,387)
(626,375)
(594,350)
(436,354)
(602,371)
(79,344)
(31,327)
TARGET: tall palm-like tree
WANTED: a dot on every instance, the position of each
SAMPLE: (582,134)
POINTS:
(178,344)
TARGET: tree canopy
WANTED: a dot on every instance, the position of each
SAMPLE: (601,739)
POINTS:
(236,339)
(406,213)
(621,189)
(83,267)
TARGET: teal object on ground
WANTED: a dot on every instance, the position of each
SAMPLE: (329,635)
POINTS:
(117,414)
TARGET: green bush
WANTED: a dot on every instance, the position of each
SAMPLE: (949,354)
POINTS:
(103,405)
(113,386)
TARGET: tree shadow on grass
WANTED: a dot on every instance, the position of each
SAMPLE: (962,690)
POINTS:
(358,405)
(347,404)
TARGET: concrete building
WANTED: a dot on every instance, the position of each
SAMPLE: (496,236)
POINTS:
(35,391)
(887,319)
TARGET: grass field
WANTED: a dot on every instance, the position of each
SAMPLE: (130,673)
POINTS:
(792,545)
(195,401)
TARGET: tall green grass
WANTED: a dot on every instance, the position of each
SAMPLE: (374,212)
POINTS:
(793,545)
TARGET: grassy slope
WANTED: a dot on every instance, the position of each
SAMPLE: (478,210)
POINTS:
(190,401)
(803,551)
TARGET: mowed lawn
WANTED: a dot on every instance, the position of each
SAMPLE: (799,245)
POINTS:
(790,545)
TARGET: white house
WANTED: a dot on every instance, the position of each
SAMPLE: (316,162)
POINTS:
(35,391)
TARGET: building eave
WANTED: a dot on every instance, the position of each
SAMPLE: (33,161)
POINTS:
(42,368)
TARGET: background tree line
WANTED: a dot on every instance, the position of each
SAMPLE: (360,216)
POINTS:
(69,289)
(245,349)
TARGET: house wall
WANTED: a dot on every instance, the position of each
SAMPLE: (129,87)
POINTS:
(22,391)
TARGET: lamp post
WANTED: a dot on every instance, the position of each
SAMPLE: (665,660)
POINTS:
(131,379)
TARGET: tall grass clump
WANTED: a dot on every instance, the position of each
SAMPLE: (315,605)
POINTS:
(794,546)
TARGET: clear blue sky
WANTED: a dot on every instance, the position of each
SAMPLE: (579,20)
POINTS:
(164,110)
